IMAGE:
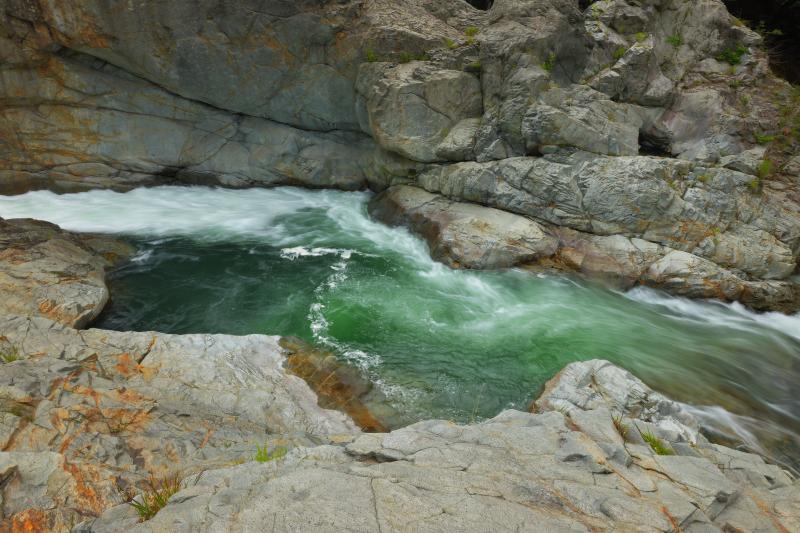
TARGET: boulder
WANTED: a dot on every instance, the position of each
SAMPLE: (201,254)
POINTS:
(410,108)
(468,235)
(45,271)
(464,235)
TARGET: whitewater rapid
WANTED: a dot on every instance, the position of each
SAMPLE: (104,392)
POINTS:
(431,337)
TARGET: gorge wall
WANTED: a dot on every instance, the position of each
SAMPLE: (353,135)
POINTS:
(657,122)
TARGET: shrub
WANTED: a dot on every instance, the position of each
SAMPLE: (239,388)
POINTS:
(732,56)
(156,496)
(264,456)
(619,52)
(657,445)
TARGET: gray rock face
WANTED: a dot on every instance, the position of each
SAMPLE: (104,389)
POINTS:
(45,271)
(518,471)
(411,108)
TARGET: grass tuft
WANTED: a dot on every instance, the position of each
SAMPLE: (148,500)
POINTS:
(450,43)
(675,40)
(732,56)
(619,52)
(263,455)
(156,496)
(11,355)
(656,444)
(622,428)
(641,36)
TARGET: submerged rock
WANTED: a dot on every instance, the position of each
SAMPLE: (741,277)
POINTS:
(45,271)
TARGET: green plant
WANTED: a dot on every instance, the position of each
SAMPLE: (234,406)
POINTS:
(703,178)
(263,455)
(732,56)
(550,62)
(764,169)
(10,355)
(764,139)
(656,444)
(754,184)
(450,43)
(370,55)
(641,36)
(622,428)
(475,66)
(675,40)
(619,52)
(156,496)
(471,31)
(406,57)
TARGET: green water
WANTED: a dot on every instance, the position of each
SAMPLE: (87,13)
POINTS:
(437,342)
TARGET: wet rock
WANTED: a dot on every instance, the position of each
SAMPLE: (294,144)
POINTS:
(337,386)
(464,235)
(45,271)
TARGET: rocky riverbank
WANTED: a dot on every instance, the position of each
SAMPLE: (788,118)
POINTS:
(656,123)
(89,417)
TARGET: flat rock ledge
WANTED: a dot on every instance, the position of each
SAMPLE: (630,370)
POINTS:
(470,235)
(87,416)
(582,467)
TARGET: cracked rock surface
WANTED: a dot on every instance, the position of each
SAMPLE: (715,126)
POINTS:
(567,470)
(87,416)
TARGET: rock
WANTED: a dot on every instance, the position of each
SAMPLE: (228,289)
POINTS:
(464,235)
(411,108)
(460,142)
(357,94)
(747,161)
(584,120)
(45,271)
(95,413)
(599,385)
(560,472)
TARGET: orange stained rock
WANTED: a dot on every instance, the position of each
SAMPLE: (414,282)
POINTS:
(336,385)
(27,521)
(87,495)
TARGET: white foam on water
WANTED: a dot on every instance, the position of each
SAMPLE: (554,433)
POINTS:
(261,215)
(732,315)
